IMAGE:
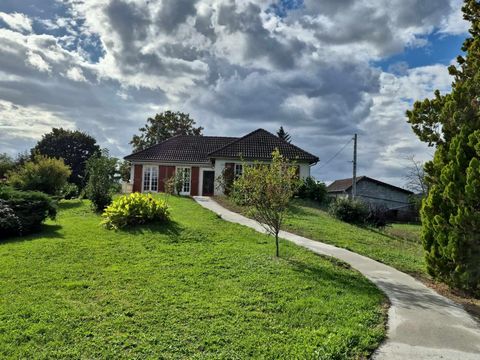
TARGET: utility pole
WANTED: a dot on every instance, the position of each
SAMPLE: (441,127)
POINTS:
(354,178)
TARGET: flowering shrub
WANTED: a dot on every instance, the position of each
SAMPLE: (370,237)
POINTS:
(135,209)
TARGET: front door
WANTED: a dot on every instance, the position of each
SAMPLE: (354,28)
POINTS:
(208,183)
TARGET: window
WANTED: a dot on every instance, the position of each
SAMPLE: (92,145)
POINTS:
(150,178)
(185,173)
(238,170)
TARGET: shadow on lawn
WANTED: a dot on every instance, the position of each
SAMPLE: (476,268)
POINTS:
(171,228)
(47,231)
(322,275)
(69,204)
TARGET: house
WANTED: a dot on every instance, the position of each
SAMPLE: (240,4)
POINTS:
(202,160)
(376,192)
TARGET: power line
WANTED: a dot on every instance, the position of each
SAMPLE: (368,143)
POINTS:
(336,154)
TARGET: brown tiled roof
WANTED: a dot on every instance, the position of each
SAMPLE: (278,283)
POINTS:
(345,184)
(183,149)
(260,144)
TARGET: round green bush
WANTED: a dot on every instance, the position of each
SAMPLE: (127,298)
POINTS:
(348,210)
(135,209)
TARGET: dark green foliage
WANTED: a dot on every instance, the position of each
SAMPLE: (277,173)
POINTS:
(164,126)
(48,175)
(6,164)
(348,210)
(69,191)
(376,216)
(9,222)
(124,168)
(451,212)
(74,147)
(101,182)
(30,207)
(282,134)
(313,190)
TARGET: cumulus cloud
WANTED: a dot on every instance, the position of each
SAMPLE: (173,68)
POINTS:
(16,21)
(235,65)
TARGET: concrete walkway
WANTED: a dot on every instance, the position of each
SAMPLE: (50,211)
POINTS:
(421,323)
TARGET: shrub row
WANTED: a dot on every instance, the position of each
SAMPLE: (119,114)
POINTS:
(22,212)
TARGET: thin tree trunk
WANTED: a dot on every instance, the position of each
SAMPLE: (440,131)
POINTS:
(277,254)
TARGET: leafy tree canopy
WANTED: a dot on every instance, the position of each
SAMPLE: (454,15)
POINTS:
(451,211)
(162,127)
(6,164)
(74,147)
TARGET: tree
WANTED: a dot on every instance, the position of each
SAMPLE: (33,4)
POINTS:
(48,175)
(267,190)
(74,147)
(415,177)
(124,168)
(100,170)
(6,164)
(282,134)
(451,211)
(162,127)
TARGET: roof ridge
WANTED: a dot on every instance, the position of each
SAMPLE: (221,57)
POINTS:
(235,141)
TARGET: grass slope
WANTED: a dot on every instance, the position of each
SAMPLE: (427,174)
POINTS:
(305,218)
(198,288)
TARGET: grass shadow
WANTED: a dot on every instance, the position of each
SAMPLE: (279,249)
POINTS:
(69,204)
(48,231)
(171,228)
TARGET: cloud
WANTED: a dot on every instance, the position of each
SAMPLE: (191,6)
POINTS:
(235,65)
(16,21)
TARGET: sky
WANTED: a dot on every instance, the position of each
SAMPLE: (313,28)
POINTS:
(323,69)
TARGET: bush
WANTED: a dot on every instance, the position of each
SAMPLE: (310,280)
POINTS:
(30,207)
(101,180)
(135,209)
(376,216)
(348,210)
(9,222)
(313,190)
(43,174)
(69,191)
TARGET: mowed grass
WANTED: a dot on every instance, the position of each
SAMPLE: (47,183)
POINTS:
(199,288)
(307,219)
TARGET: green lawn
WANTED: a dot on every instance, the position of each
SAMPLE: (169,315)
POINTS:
(199,288)
(307,219)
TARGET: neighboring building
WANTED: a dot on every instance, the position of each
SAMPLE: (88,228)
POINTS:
(372,191)
(202,160)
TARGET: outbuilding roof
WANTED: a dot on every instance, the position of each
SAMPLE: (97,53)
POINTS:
(344,185)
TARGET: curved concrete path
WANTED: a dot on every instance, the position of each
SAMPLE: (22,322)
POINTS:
(421,323)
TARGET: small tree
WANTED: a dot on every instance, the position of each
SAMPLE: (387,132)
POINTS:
(267,190)
(41,174)
(124,170)
(415,177)
(101,180)
(282,134)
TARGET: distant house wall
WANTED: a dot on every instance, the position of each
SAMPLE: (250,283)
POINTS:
(379,194)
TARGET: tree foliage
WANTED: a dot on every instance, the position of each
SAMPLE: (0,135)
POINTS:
(101,171)
(48,175)
(6,164)
(162,127)
(74,147)
(282,134)
(267,190)
(451,211)
(415,177)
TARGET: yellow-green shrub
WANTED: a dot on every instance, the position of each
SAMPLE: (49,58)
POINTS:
(135,209)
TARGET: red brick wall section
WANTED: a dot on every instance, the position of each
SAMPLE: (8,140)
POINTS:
(195,179)
(164,173)
(137,178)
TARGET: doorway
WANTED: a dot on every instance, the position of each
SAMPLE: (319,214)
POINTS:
(208,183)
